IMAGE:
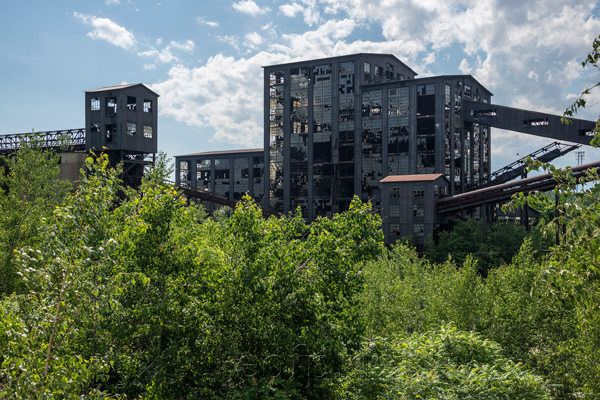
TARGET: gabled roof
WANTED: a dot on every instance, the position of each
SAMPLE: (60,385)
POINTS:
(342,57)
(411,178)
(119,87)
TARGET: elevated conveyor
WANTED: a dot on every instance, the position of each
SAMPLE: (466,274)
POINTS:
(503,192)
(529,122)
(71,139)
(516,169)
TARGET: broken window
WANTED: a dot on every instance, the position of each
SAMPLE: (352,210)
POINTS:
(111,130)
(394,229)
(147,106)
(426,90)
(367,67)
(222,173)
(240,177)
(394,210)
(419,191)
(419,229)
(418,210)
(111,105)
(95,106)
(131,128)
(467,92)
(148,131)
(203,168)
(536,122)
(184,173)
(95,127)
(389,71)
(395,192)
(131,103)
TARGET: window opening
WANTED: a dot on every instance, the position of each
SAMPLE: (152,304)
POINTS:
(111,130)
(419,191)
(418,210)
(147,106)
(131,103)
(148,131)
(95,106)
(419,229)
(111,106)
(131,128)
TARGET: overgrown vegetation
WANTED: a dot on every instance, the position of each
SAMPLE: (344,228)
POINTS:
(105,295)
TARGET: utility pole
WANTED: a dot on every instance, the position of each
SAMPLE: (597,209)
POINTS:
(580,156)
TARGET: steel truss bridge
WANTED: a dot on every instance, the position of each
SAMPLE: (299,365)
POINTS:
(67,139)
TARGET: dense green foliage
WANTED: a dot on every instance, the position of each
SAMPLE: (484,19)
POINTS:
(147,297)
(115,292)
(29,192)
(501,243)
(441,364)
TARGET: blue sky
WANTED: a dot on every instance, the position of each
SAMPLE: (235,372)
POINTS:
(204,58)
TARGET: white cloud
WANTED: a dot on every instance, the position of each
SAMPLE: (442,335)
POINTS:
(290,10)
(250,7)
(166,54)
(253,40)
(233,41)
(221,95)
(203,21)
(504,44)
(464,67)
(110,2)
(105,29)
(149,66)
(187,46)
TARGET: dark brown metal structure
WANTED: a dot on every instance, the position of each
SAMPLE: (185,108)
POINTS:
(501,193)
(68,139)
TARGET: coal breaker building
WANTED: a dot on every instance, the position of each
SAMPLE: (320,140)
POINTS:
(352,125)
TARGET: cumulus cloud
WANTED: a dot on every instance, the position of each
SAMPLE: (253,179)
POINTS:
(290,10)
(524,51)
(105,29)
(253,40)
(231,40)
(187,46)
(203,21)
(110,2)
(166,55)
(221,95)
(250,7)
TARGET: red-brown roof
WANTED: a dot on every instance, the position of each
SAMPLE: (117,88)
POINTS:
(222,152)
(410,178)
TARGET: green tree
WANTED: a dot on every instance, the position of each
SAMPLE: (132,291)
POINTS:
(443,364)
(29,192)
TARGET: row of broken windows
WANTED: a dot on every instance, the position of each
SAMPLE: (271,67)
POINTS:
(111,105)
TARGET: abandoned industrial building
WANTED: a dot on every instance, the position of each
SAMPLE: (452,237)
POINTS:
(364,125)
(120,121)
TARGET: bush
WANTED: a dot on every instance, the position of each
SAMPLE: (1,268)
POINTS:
(443,364)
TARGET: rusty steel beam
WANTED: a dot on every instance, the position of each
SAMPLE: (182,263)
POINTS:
(205,196)
(504,191)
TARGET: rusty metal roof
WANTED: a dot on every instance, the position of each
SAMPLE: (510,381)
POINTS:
(222,152)
(119,87)
(411,178)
